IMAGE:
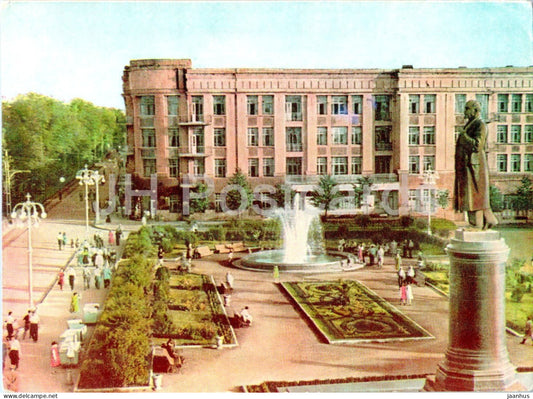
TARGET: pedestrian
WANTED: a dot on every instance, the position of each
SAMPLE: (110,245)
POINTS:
(381,256)
(65,241)
(72,243)
(86,278)
(529,330)
(5,350)
(60,240)
(71,274)
(97,277)
(75,303)
(11,380)
(61,279)
(393,247)
(27,323)
(411,275)
(246,317)
(34,326)
(409,293)
(14,352)
(107,276)
(372,252)
(360,250)
(398,261)
(401,277)
(411,246)
(111,237)
(403,293)
(55,360)
(118,234)
(10,321)
(230,280)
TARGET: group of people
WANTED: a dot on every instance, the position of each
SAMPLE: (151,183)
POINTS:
(405,282)
(15,330)
(374,254)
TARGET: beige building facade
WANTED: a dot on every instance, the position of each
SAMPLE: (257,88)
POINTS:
(290,126)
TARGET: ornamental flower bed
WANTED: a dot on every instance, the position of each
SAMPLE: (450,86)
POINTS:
(347,311)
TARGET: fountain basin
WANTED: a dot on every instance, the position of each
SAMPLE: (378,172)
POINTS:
(266,260)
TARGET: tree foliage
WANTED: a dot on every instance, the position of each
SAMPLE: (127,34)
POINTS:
(325,193)
(239,198)
(524,195)
(53,139)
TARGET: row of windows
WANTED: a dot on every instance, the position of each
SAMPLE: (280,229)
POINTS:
(293,106)
(427,164)
(338,105)
(428,135)
(502,134)
(515,164)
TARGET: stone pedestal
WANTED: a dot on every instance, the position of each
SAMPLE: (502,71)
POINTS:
(477,357)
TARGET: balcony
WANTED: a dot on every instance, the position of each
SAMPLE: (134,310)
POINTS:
(190,151)
(195,120)
(377,178)
(383,146)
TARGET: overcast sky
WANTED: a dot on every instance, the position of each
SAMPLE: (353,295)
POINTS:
(71,49)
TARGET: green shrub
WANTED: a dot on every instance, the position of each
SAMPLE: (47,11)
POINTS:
(406,221)
(517,293)
(362,220)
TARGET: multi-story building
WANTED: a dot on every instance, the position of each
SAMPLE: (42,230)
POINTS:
(293,125)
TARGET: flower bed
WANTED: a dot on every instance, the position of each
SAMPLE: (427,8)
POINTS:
(347,311)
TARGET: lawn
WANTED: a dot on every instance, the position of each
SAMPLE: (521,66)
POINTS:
(347,311)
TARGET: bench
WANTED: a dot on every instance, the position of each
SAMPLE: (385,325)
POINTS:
(203,251)
(162,362)
(222,249)
(238,247)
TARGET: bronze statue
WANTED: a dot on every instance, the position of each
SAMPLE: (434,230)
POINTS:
(471,170)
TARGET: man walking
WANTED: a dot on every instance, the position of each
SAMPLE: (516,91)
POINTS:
(34,326)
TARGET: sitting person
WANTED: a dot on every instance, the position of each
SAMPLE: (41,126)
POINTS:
(169,346)
(246,317)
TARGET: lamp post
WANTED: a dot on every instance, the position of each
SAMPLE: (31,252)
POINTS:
(32,212)
(429,177)
(84,176)
(97,179)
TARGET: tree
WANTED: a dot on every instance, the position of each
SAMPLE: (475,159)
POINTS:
(239,198)
(282,194)
(200,204)
(361,188)
(524,196)
(443,198)
(496,199)
(325,193)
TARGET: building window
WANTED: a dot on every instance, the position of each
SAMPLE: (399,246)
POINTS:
(460,102)
(173,167)
(503,102)
(383,138)
(516,102)
(528,162)
(339,166)
(268,167)
(414,164)
(429,103)
(483,100)
(501,134)
(322,166)
(339,105)
(268,136)
(220,137)
(429,135)
(268,105)
(414,104)
(197,108)
(357,105)
(173,137)
(147,106)
(529,102)
(382,108)
(516,133)
(253,137)
(357,165)
(198,167)
(253,167)
(148,136)
(294,166)
(173,105)
(198,140)
(413,199)
(322,135)
(218,202)
(383,164)
(515,162)
(429,162)
(414,135)
(293,136)
(528,134)
(220,168)
(293,108)
(219,105)
(149,167)
(322,105)
(340,135)
(357,135)
(251,105)
(501,162)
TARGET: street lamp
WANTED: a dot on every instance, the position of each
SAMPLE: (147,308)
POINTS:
(97,179)
(32,212)
(84,176)
(429,177)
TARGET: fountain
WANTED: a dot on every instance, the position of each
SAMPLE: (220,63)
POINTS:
(303,249)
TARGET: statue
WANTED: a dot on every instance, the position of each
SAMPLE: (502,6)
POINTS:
(471,170)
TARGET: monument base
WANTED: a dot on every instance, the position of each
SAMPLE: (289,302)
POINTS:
(432,386)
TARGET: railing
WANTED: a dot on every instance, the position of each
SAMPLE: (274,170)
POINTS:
(383,146)
(342,179)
